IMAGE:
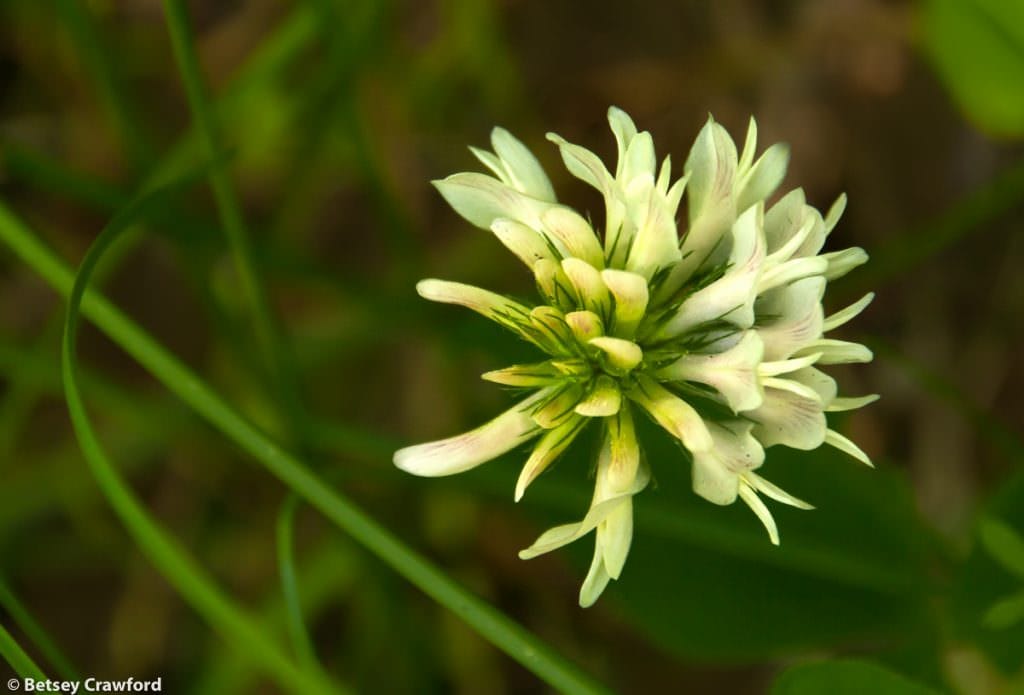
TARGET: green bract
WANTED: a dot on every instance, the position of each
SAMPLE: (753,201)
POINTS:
(715,331)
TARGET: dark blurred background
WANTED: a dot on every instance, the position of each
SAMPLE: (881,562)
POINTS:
(336,117)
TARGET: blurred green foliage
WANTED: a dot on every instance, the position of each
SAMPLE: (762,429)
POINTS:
(329,119)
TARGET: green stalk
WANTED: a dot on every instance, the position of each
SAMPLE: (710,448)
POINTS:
(35,632)
(491,624)
(14,655)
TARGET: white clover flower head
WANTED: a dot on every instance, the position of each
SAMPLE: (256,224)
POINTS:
(716,330)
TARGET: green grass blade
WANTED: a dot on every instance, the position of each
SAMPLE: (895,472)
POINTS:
(172,560)
(36,633)
(487,621)
(290,584)
(14,655)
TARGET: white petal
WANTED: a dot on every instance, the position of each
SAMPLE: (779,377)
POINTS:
(791,271)
(553,284)
(673,413)
(761,511)
(465,451)
(623,452)
(845,445)
(844,403)
(566,227)
(656,243)
(823,385)
(492,162)
(614,536)
(842,262)
(523,169)
(640,158)
(631,297)
(835,212)
(597,579)
(624,130)
(584,164)
(503,310)
(765,176)
(482,199)
(732,373)
(774,491)
(784,219)
(796,317)
(731,297)
(844,315)
(838,351)
(787,366)
(527,244)
(716,472)
(789,419)
(711,167)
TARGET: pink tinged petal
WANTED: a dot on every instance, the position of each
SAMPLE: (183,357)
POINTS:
(716,472)
(621,355)
(585,325)
(603,399)
(748,495)
(789,419)
(673,413)
(623,452)
(573,233)
(711,167)
(466,451)
(522,167)
(842,262)
(549,448)
(584,165)
(798,317)
(793,387)
(503,310)
(733,373)
(527,244)
(845,445)
(731,297)
(791,271)
(631,297)
(843,316)
(844,403)
(481,199)
(589,286)
(823,385)
(785,219)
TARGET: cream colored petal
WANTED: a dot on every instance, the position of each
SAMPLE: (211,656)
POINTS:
(549,448)
(558,408)
(631,297)
(842,262)
(527,244)
(596,581)
(764,177)
(838,351)
(789,419)
(790,318)
(553,284)
(584,165)
(673,413)
(656,242)
(574,234)
(614,536)
(624,130)
(773,491)
(622,355)
(589,286)
(842,316)
(845,445)
(732,373)
(844,403)
(522,166)
(465,451)
(603,399)
(711,167)
(481,199)
(585,325)
(507,312)
(716,472)
(748,495)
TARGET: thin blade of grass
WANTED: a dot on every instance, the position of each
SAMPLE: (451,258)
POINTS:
(18,659)
(172,560)
(36,633)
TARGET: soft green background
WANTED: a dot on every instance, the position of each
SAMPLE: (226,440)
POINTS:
(298,140)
